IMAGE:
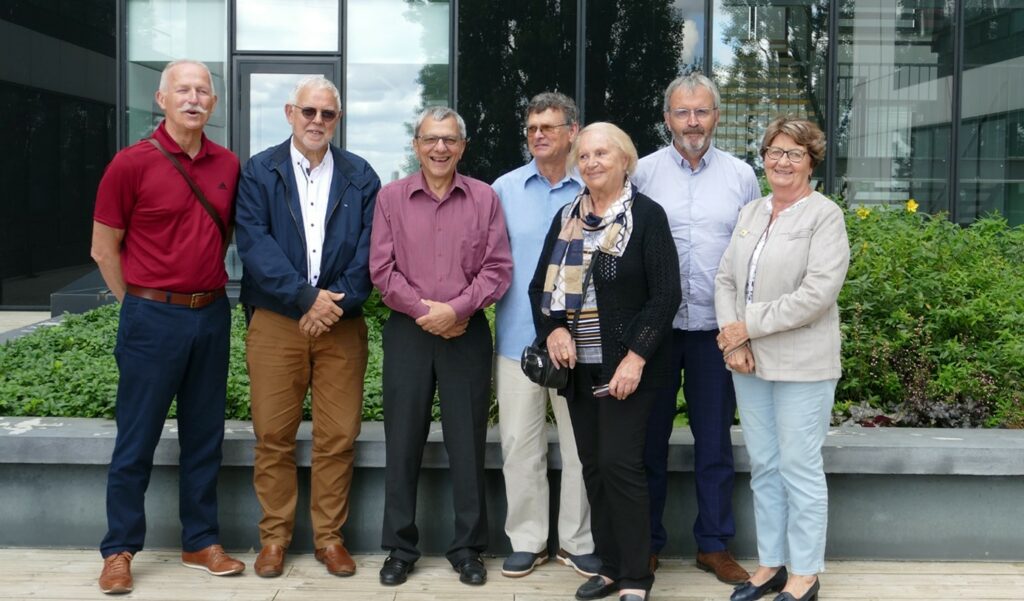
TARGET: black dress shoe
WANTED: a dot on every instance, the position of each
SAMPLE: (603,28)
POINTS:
(749,591)
(596,588)
(395,571)
(810,595)
(472,571)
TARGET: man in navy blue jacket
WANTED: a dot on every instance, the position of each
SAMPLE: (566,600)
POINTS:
(304,213)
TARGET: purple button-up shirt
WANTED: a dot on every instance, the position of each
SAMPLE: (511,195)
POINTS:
(452,249)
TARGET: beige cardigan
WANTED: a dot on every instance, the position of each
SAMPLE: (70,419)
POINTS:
(793,320)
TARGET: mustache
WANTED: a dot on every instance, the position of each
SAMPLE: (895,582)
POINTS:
(193,107)
(693,130)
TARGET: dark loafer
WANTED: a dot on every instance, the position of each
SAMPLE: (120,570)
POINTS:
(749,591)
(395,571)
(596,588)
(471,571)
(810,595)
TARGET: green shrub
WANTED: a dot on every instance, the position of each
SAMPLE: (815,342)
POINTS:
(933,319)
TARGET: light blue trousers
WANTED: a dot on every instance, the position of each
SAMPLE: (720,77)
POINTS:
(784,425)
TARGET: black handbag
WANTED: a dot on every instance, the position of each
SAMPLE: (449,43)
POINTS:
(536,363)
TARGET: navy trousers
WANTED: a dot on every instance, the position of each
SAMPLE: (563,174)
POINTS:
(165,352)
(416,364)
(711,404)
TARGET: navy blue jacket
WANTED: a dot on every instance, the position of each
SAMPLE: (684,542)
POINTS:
(272,242)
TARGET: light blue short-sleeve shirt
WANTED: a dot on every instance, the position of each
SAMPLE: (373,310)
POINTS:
(702,205)
(530,203)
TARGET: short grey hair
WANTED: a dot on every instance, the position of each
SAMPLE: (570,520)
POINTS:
(440,113)
(165,77)
(315,82)
(690,83)
(554,100)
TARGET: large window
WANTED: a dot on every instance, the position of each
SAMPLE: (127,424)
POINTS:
(57,105)
(894,97)
(397,63)
(286,25)
(509,52)
(635,48)
(769,60)
(992,111)
(160,31)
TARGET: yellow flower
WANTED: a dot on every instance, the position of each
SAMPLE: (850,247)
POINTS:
(912,206)
(863,212)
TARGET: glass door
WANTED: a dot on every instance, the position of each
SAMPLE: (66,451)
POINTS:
(263,87)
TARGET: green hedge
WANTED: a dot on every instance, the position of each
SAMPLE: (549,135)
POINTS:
(933,334)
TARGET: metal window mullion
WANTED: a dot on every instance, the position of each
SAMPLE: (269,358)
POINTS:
(831,94)
(955,109)
(121,74)
(581,59)
(453,55)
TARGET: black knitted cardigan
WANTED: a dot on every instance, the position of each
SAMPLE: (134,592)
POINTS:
(638,294)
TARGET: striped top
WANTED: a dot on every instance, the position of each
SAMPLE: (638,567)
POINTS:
(588,330)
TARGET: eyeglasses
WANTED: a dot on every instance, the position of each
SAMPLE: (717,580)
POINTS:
(545,129)
(431,141)
(309,113)
(775,153)
(684,114)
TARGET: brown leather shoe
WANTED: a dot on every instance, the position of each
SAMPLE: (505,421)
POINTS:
(724,567)
(212,559)
(116,577)
(653,563)
(337,560)
(270,562)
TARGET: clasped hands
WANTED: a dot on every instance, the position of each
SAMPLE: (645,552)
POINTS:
(441,320)
(733,341)
(324,313)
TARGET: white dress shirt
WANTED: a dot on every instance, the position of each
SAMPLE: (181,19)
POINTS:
(314,186)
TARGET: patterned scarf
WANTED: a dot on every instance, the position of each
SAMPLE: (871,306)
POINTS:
(563,283)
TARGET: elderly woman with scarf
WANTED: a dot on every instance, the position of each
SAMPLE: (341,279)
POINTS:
(609,256)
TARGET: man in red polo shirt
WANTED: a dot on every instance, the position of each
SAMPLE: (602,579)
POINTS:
(161,254)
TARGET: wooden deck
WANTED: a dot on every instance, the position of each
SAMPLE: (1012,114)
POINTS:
(41,574)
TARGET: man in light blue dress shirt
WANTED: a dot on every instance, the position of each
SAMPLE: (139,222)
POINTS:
(702,190)
(531,196)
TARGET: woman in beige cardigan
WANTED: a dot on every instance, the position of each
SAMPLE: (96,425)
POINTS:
(775,300)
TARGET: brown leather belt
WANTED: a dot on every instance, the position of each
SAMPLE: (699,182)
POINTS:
(196,300)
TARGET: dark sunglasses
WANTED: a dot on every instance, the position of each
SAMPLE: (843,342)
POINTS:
(309,113)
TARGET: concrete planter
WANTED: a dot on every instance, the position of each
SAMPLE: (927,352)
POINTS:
(894,493)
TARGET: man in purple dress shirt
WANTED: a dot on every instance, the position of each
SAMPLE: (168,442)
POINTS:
(439,254)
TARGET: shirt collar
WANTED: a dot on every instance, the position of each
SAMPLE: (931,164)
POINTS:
(172,147)
(533,172)
(420,183)
(680,160)
(298,158)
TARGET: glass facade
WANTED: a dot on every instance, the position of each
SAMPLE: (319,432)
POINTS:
(397,63)
(769,59)
(57,113)
(895,100)
(991,140)
(919,99)
(286,25)
(160,31)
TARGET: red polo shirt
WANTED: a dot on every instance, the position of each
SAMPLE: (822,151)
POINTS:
(170,241)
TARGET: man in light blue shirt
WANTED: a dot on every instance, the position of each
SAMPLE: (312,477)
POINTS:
(702,190)
(531,196)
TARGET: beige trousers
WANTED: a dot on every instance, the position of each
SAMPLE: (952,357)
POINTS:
(522,422)
(283,364)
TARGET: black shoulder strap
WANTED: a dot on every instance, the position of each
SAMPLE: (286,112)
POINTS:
(225,235)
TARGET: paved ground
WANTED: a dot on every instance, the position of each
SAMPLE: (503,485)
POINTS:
(52,575)
(13,320)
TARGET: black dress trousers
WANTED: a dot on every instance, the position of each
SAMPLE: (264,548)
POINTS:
(415,363)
